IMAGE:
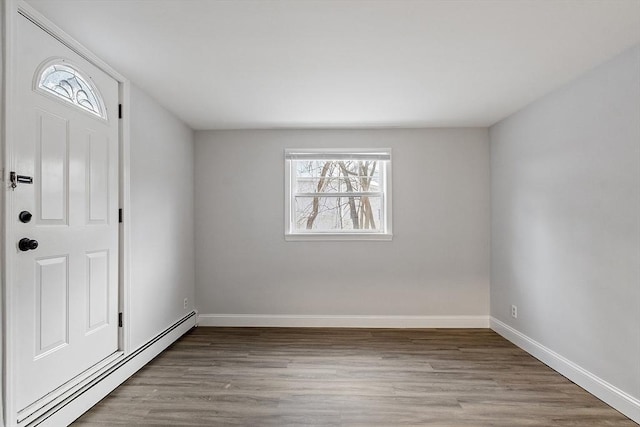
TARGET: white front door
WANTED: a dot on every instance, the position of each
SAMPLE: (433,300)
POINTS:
(66,288)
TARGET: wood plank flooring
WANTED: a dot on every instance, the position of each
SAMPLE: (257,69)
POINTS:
(348,377)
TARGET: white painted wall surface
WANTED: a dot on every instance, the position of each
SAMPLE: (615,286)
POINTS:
(3,282)
(162,192)
(566,221)
(436,264)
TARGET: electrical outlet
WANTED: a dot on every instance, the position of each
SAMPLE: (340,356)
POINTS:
(514,311)
(186,302)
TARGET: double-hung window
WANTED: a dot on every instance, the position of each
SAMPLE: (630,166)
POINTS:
(336,194)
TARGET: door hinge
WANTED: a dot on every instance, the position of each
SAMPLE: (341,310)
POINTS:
(119,111)
(120,215)
(120,320)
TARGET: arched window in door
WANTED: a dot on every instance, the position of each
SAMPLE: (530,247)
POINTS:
(67,83)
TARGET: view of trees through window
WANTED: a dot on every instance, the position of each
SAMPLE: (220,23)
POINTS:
(338,195)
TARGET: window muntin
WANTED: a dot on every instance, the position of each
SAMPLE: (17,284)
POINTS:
(66,83)
(338,193)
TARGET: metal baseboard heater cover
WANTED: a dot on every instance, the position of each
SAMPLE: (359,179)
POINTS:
(113,368)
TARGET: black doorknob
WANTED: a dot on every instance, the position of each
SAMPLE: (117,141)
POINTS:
(27,244)
(25,216)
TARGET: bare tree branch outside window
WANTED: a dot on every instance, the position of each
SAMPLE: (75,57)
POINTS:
(338,195)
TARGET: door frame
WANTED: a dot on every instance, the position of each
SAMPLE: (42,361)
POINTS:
(8,357)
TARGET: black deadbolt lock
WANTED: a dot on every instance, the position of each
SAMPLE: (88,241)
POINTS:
(26,244)
(25,216)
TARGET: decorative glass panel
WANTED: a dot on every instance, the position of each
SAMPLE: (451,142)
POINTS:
(67,83)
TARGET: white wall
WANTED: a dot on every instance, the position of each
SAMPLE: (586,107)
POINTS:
(162,191)
(3,6)
(436,264)
(566,221)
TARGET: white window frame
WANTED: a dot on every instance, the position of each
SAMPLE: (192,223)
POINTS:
(292,154)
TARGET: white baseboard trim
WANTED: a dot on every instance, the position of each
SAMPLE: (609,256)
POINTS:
(69,411)
(618,399)
(333,321)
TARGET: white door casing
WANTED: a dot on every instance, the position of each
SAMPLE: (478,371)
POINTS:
(66,290)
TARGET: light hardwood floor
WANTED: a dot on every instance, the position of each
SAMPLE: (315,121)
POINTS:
(348,377)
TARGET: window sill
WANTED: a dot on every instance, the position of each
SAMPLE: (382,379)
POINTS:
(291,237)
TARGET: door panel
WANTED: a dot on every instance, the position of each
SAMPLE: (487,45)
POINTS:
(97,178)
(97,290)
(67,288)
(52,297)
(52,158)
